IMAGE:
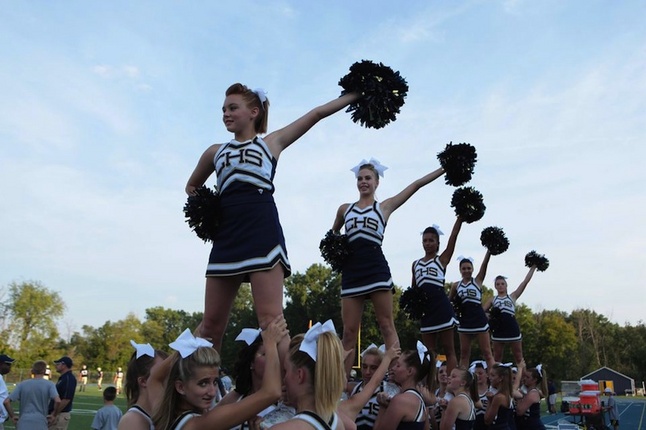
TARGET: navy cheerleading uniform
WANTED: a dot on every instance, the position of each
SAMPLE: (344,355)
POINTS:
(249,237)
(503,418)
(531,420)
(368,414)
(472,317)
(420,417)
(439,315)
(365,270)
(506,327)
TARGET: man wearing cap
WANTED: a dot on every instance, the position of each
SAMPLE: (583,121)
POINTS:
(66,387)
(611,407)
(5,367)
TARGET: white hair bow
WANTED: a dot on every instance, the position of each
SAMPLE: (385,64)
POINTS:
(381,348)
(310,341)
(437,229)
(462,257)
(472,368)
(372,345)
(422,352)
(507,364)
(262,94)
(380,168)
(249,335)
(438,364)
(143,349)
(186,344)
(539,369)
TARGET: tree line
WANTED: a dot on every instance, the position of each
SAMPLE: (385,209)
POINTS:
(568,345)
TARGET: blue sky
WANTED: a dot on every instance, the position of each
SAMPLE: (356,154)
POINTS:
(107,106)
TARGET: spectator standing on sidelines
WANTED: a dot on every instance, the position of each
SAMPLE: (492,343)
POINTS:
(551,397)
(107,418)
(34,396)
(5,367)
(611,407)
(48,373)
(66,387)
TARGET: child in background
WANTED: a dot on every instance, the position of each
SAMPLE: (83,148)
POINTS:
(107,418)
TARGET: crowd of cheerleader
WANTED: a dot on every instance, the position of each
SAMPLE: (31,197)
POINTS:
(302,381)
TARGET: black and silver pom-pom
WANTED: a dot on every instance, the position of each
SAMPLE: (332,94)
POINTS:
(458,162)
(468,204)
(414,302)
(334,249)
(456,302)
(383,91)
(533,258)
(202,212)
(494,239)
(495,315)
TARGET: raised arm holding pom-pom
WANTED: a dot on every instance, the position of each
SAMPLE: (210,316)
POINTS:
(365,272)
(473,320)
(504,327)
(439,321)
(249,245)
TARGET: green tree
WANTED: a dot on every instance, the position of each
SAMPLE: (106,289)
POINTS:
(313,296)
(163,325)
(33,311)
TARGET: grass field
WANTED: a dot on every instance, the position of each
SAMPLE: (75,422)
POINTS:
(86,403)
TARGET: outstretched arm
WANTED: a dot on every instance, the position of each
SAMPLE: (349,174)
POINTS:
(521,288)
(389,205)
(483,269)
(281,139)
(445,258)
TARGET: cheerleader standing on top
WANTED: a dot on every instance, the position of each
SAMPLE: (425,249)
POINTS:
(504,327)
(248,245)
(473,320)
(365,273)
(438,322)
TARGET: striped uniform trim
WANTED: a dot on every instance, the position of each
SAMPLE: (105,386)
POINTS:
(275,256)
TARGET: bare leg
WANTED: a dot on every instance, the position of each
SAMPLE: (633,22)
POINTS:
(351,312)
(485,346)
(218,300)
(383,303)
(465,349)
(498,351)
(267,291)
(517,351)
(448,347)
